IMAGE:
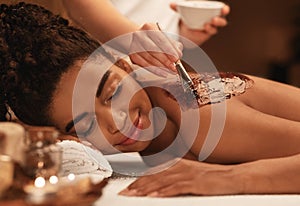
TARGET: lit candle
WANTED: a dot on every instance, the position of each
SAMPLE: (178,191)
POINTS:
(41,190)
(71,177)
(53,180)
(40,182)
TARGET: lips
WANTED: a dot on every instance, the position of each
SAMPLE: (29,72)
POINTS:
(133,133)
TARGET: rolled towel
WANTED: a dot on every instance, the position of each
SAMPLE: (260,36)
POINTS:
(78,158)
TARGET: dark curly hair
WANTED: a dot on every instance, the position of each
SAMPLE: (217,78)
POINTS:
(36,48)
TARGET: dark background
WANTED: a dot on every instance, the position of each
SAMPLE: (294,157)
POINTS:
(262,38)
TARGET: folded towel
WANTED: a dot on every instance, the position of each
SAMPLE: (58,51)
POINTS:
(78,158)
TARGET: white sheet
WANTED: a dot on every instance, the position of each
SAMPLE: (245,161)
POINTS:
(111,198)
(110,195)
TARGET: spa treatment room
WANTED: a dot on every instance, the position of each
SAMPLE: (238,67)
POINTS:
(149,102)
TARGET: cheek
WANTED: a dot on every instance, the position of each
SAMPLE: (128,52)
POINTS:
(141,100)
(101,140)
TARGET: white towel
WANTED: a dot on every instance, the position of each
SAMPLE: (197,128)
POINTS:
(78,158)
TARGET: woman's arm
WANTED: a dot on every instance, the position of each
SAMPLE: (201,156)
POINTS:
(269,176)
(273,176)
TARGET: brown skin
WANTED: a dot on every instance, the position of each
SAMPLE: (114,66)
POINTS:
(269,176)
(262,123)
(62,108)
(254,130)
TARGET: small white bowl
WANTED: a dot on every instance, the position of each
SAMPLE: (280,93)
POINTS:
(196,13)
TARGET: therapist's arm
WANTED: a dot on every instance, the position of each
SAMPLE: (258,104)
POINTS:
(103,21)
(99,18)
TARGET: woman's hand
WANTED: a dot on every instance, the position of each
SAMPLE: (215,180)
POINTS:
(152,49)
(187,177)
(209,29)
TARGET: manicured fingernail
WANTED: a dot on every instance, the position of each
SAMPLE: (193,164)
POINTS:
(172,67)
(153,194)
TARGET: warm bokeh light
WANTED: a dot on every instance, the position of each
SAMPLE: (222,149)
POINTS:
(53,179)
(71,177)
(39,182)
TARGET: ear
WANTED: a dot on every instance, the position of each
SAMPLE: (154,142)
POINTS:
(123,64)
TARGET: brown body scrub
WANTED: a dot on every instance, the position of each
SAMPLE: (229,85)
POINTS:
(211,88)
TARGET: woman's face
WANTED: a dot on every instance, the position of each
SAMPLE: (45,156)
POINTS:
(111,126)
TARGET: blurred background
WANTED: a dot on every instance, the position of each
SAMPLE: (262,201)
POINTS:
(262,38)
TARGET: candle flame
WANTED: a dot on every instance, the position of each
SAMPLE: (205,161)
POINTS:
(71,177)
(39,182)
(53,179)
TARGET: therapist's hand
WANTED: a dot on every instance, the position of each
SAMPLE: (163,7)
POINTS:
(210,28)
(150,48)
(187,177)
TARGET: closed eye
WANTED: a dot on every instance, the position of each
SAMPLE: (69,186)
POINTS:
(116,92)
(86,126)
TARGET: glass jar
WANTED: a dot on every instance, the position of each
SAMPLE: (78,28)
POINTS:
(43,156)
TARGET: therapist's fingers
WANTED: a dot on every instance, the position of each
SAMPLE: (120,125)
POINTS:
(218,22)
(148,59)
(153,48)
(161,40)
(159,69)
(225,10)
(210,29)
(146,52)
(153,59)
(173,6)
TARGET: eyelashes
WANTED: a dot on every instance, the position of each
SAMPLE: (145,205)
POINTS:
(115,93)
(86,126)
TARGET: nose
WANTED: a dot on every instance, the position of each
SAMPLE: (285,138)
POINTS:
(118,121)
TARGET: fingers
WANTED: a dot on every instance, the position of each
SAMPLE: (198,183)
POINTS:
(210,29)
(164,183)
(199,36)
(148,61)
(219,22)
(173,6)
(159,186)
(150,47)
(225,10)
(175,189)
(161,40)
